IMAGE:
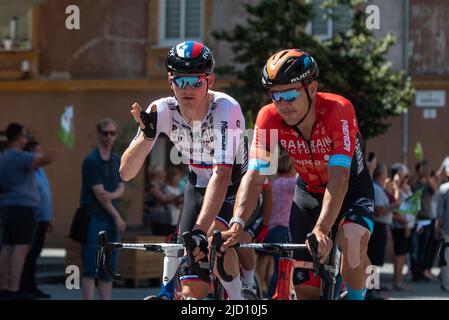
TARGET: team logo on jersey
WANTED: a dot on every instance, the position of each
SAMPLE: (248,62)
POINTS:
(300,276)
(189,49)
(224,128)
(346,140)
(366,203)
(359,156)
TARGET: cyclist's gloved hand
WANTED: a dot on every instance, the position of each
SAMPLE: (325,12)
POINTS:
(262,234)
(200,239)
(149,120)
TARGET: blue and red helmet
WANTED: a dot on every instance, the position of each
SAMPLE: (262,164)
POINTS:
(190,57)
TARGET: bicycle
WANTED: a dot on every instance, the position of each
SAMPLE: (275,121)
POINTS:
(327,272)
(170,288)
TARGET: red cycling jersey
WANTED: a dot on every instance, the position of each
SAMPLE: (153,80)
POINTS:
(335,141)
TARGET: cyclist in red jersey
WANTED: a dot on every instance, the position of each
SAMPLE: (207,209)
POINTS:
(334,191)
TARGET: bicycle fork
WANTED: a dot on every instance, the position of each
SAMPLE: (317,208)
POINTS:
(169,280)
(284,288)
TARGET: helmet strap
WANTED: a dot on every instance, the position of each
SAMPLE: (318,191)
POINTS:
(310,105)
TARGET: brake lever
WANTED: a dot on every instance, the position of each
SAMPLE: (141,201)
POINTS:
(313,244)
(188,242)
(104,252)
(217,241)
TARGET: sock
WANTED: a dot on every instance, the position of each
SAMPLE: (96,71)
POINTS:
(356,294)
(233,288)
(248,277)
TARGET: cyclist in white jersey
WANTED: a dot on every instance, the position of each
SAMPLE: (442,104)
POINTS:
(207,129)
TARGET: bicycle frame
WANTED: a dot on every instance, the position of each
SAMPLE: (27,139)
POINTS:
(328,272)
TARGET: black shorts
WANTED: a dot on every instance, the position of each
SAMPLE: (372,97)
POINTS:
(401,244)
(377,244)
(18,225)
(358,207)
(193,201)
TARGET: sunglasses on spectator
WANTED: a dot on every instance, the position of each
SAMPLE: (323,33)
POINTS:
(287,96)
(193,81)
(110,133)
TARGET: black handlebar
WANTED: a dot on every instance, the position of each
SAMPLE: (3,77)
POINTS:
(103,255)
(105,249)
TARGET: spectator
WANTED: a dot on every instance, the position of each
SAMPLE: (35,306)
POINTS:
(173,179)
(283,189)
(18,203)
(157,213)
(101,188)
(444,168)
(399,189)
(422,240)
(45,221)
(442,228)
(372,163)
(382,221)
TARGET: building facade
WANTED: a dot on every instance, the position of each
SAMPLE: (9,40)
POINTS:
(117,58)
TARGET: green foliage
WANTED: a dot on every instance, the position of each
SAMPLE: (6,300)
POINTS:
(352,63)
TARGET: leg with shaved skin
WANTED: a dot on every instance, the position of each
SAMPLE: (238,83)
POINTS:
(231,266)
(353,239)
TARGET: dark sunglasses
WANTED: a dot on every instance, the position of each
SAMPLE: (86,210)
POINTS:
(287,96)
(106,133)
(194,81)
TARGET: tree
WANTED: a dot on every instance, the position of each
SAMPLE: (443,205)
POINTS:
(352,63)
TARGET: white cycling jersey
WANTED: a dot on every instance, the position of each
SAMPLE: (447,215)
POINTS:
(216,140)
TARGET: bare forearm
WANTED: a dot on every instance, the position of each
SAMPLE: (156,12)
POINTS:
(332,202)
(267,207)
(213,200)
(134,157)
(248,195)
(432,183)
(119,191)
(109,207)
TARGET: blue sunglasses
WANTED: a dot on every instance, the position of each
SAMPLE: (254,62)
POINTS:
(287,96)
(183,81)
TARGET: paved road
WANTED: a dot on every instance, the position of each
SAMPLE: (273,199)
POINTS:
(430,290)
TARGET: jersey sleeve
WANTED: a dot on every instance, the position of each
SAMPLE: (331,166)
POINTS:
(343,126)
(260,152)
(91,172)
(229,124)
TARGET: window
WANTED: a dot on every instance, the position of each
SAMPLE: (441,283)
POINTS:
(180,20)
(325,27)
(16,24)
